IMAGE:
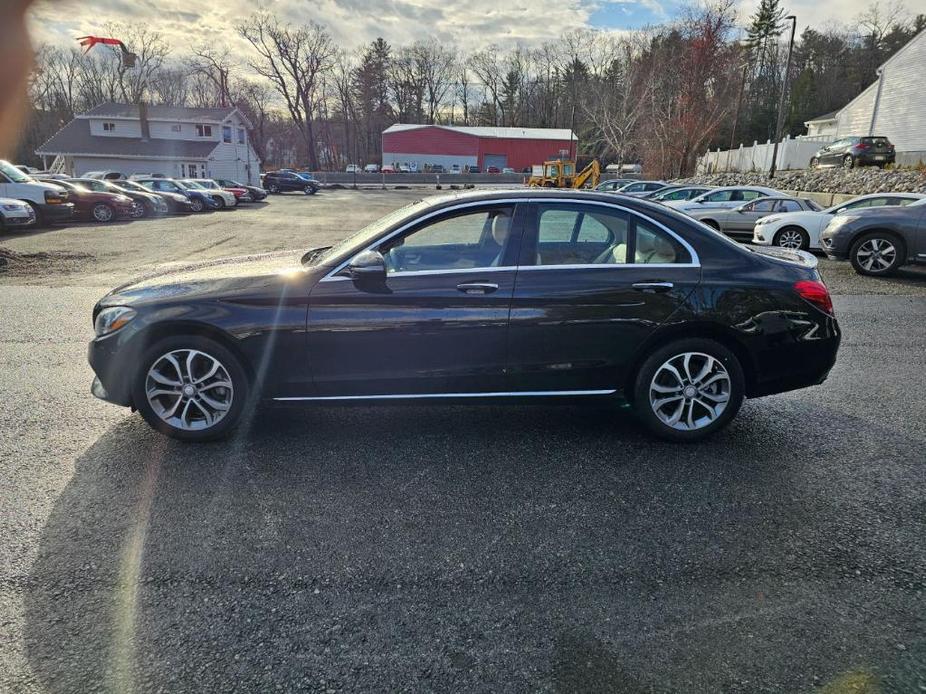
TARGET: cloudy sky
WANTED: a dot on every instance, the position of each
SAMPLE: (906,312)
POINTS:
(467,23)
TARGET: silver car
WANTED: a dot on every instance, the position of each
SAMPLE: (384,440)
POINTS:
(739,222)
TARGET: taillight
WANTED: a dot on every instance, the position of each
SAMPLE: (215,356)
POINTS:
(861,145)
(815,293)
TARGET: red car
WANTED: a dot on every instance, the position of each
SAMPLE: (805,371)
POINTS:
(241,195)
(97,206)
(493,170)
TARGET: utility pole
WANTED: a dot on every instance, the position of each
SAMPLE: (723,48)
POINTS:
(781,100)
(736,114)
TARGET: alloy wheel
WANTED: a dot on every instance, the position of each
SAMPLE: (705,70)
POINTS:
(876,254)
(189,389)
(103,213)
(848,162)
(197,205)
(791,238)
(138,210)
(690,391)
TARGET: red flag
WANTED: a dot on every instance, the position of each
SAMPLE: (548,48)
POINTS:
(88,42)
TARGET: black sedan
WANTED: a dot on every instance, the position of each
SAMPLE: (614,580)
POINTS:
(878,240)
(176,203)
(289,182)
(479,296)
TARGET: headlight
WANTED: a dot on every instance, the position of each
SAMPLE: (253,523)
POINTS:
(14,208)
(109,320)
(766,220)
(840,220)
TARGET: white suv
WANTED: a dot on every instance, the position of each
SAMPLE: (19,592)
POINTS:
(50,202)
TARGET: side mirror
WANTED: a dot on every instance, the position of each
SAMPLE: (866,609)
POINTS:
(368,266)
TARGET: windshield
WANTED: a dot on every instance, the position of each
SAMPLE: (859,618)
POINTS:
(369,232)
(14,174)
(191,185)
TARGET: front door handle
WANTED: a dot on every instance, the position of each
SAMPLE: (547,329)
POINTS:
(477,287)
(653,287)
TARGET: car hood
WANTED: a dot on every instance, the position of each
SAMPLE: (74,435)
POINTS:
(257,276)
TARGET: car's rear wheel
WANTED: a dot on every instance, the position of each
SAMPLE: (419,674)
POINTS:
(197,205)
(310,190)
(139,210)
(814,163)
(848,162)
(877,254)
(191,388)
(273,189)
(103,213)
(792,237)
(688,389)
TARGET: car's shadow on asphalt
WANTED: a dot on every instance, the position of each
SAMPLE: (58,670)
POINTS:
(469,549)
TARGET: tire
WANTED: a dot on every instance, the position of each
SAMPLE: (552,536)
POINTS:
(273,189)
(39,217)
(197,205)
(877,254)
(220,201)
(310,190)
(792,237)
(164,371)
(139,210)
(848,162)
(709,408)
(814,163)
(102,213)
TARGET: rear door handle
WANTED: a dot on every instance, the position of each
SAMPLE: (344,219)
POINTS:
(477,287)
(654,287)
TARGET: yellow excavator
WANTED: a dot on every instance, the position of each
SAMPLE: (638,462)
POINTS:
(561,173)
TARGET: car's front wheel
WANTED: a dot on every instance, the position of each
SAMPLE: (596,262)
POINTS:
(688,389)
(877,254)
(311,190)
(220,201)
(848,162)
(792,237)
(814,163)
(197,205)
(273,189)
(191,388)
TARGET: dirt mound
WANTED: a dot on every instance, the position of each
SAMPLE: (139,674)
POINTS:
(29,263)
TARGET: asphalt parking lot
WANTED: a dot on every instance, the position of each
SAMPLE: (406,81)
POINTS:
(446,548)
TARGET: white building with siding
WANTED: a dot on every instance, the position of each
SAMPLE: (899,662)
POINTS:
(167,140)
(893,106)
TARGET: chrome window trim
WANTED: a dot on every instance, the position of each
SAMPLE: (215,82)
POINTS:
(426,396)
(695,259)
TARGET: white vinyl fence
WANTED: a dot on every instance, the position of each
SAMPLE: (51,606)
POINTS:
(792,154)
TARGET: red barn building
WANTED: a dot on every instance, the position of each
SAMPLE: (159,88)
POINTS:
(449,146)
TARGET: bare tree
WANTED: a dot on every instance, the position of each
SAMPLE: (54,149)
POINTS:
(435,65)
(216,65)
(293,59)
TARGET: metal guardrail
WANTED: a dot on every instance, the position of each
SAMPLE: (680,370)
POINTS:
(366,179)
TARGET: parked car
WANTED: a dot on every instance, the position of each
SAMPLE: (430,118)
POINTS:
(388,169)
(508,170)
(454,169)
(802,229)
(15,214)
(640,188)
(93,206)
(353,168)
(450,323)
(474,170)
(225,199)
(147,204)
(371,168)
(105,175)
(257,193)
(493,170)
(725,196)
(613,184)
(277,182)
(28,170)
(855,151)
(177,203)
(200,200)
(49,201)
(676,193)
(404,168)
(738,222)
(878,240)
(437,168)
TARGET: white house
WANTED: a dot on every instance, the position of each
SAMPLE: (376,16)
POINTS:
(167,140)
(894,106)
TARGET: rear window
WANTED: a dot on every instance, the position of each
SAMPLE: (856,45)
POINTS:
(876,141)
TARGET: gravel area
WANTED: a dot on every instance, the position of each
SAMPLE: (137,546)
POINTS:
(438,548)
(859,181)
